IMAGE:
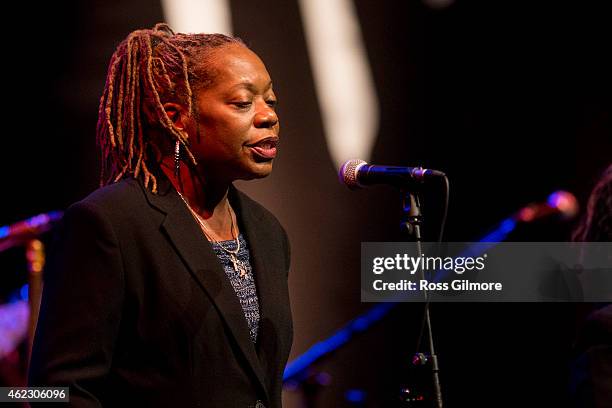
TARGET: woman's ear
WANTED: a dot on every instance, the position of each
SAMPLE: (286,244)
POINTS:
(177,114)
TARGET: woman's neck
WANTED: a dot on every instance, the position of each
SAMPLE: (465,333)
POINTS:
(204,195)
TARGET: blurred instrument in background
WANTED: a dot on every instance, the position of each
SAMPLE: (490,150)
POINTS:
(19,315)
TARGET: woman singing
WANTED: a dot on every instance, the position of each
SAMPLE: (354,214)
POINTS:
(168,286)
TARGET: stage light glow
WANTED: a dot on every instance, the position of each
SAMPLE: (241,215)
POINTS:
(565,202)
(343,81)
(24,291)
(4,231)
(198,16)
(500,232)
(355,396)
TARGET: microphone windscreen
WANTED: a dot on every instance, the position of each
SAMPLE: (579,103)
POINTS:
(348,173)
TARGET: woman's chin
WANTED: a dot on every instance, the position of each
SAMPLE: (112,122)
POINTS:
(257,170)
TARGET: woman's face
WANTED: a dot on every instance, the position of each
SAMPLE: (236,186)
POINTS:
(235,132)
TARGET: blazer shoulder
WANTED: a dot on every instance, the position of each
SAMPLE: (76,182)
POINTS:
(123,197)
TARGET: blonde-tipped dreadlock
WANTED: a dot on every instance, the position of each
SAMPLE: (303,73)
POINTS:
(148,69)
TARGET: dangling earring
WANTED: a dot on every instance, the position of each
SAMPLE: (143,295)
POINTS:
(177,158)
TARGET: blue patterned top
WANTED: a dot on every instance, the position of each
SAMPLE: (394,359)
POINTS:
(244,286)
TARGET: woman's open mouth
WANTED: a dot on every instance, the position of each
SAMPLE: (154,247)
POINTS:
(265,148)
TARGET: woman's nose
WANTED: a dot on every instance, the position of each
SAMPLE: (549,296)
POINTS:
(265,116)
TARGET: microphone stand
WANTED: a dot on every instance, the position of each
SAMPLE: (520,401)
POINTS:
(411,208)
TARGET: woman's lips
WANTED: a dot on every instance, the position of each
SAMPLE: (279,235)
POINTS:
(265,149)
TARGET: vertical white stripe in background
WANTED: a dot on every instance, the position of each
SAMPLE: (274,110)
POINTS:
(343,79)
(198,16)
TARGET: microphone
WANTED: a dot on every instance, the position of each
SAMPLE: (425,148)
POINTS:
(357,173)
(562,203)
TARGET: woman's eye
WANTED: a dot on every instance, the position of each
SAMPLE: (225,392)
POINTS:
(242,105)
(272,103)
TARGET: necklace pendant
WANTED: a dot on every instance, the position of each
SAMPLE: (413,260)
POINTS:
(235,262)
(243,270)
(240,267)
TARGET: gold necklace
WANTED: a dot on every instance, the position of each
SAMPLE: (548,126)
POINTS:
(239,266)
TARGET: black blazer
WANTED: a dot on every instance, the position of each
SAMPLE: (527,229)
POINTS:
(137,309)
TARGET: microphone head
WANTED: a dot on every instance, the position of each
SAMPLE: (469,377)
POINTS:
(348,173)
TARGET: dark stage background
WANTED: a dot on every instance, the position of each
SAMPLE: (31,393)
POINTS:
(511,99)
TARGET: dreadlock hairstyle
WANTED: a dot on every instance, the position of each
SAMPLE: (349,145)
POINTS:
(148,69)
(596,225)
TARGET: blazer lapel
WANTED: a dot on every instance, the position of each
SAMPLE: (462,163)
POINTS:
(205,267)
(267,265)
